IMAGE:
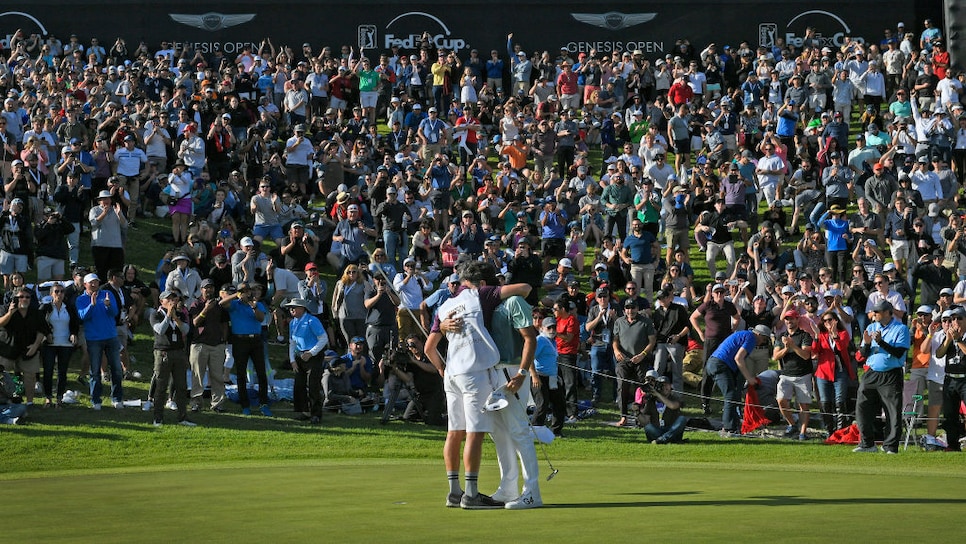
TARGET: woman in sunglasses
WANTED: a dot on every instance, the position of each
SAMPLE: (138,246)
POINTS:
(834,371)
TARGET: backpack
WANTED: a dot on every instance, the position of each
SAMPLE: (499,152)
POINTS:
(8,388)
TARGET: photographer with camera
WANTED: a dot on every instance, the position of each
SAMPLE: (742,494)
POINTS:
(51,239)
(410,365)
(73,197)
(664,422)
(170,325)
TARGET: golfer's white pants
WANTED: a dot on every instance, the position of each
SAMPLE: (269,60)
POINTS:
(511,434)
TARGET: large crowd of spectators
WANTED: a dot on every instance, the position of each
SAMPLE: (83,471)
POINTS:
(590,177)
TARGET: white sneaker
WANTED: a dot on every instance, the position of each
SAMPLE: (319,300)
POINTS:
(147,405)
(157,423)
(117,405)
(186,423)
(525,502)
(171,406)
(95,406)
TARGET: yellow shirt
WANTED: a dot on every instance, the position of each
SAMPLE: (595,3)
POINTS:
(440,72)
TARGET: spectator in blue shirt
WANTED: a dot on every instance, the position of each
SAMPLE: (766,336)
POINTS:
(307,341)
(98,310)
(413,119)
(246,316)
(432,303)
(885,343)
(553,222)
(358,365)
(727,366)
(548,392)
(837,237)
(494,72)
(641,252)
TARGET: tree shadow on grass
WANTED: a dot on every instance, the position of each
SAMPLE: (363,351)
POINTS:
(776,500)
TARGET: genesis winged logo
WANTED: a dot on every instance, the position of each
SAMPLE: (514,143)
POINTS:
(613,20)
(212,21)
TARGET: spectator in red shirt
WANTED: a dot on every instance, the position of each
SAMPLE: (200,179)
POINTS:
(568,344)
(680,92)
(567,88)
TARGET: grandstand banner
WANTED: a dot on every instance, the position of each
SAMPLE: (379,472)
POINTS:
(651,27)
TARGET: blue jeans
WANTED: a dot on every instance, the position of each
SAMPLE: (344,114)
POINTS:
(863,321)
(667,433)
(111,348)
(816,213)
(10,412)
(839,388)
(729,382)
(56,357)
(438,93)
(393,242)
(73,243)
(601,362)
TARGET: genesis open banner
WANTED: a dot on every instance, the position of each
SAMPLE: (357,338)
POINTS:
(652,27)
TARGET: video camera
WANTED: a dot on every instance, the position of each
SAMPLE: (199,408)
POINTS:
(395,357)
(650,385)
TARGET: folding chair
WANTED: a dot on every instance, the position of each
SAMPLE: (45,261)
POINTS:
(910,418)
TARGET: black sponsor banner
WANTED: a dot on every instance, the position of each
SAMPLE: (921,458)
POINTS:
(652,27)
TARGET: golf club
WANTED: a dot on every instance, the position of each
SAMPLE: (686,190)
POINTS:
(543,448)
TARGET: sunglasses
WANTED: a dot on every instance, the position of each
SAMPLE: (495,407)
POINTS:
(829,320)
(57,291)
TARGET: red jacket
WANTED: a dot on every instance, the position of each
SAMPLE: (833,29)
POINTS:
(822,349)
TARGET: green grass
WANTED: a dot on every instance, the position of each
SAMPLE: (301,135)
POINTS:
(401,501)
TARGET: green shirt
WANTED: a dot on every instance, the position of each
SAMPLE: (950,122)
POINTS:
(508,318)
(368,80)
(649,213)
(616,194)
(637,130)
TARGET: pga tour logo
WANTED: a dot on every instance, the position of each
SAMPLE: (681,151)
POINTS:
(367,36)
(767,32)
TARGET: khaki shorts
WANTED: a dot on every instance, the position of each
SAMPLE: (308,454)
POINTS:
(22,364)
(797,387)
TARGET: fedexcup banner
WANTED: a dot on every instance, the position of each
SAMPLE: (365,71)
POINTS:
(651,27)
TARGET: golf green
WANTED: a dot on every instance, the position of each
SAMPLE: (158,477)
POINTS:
(388,501)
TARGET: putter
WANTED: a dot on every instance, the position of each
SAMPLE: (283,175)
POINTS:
(543,448)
